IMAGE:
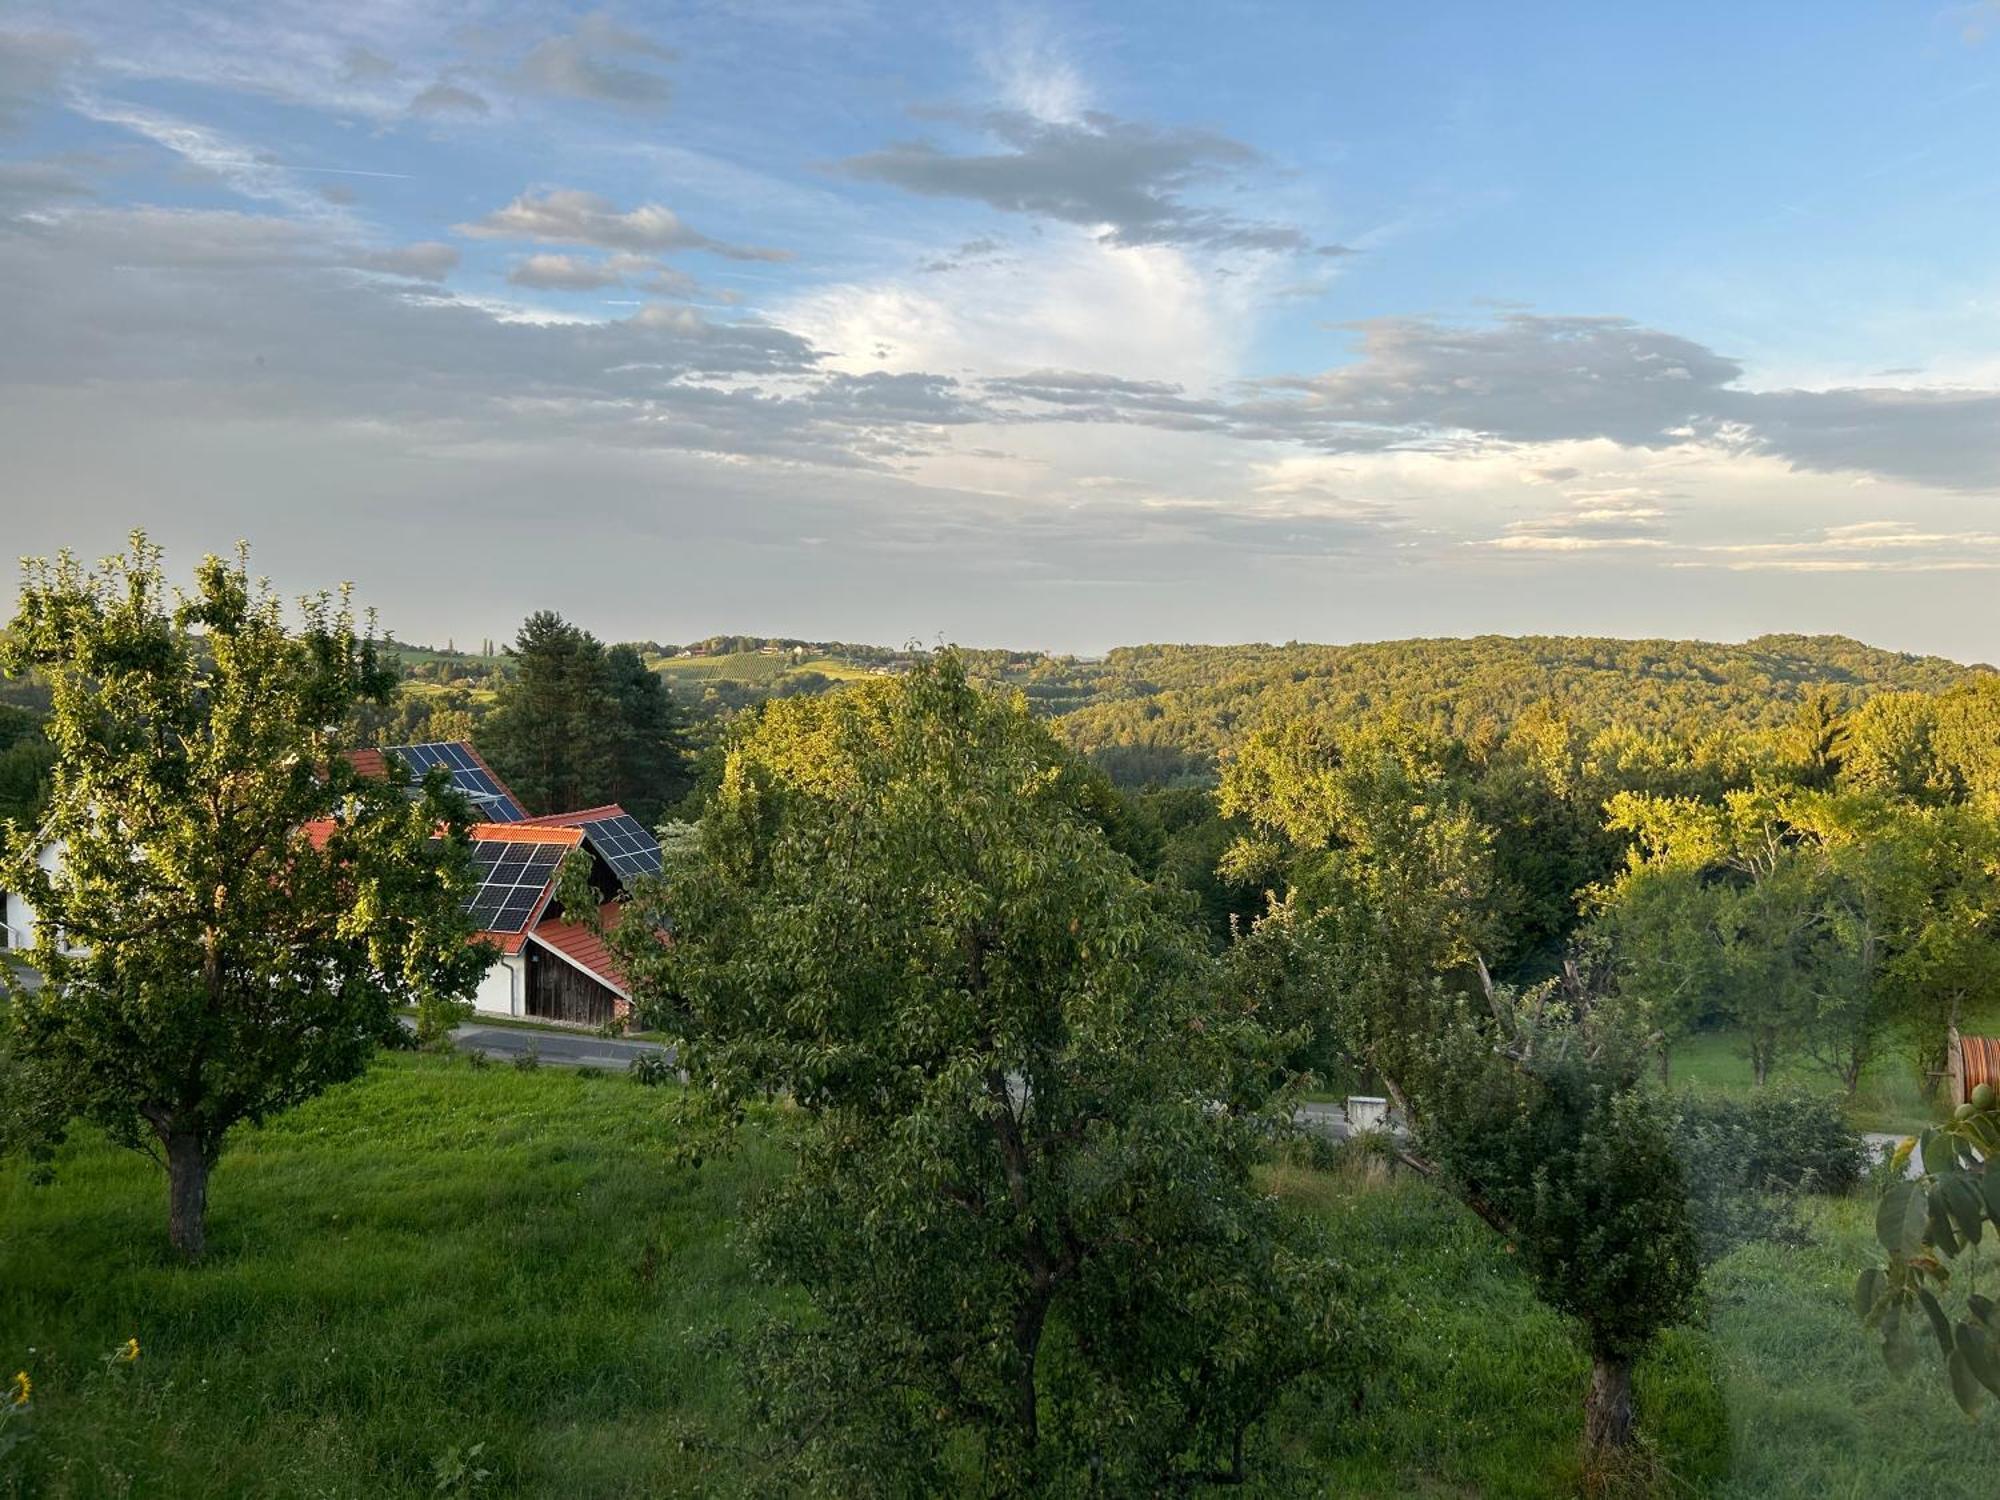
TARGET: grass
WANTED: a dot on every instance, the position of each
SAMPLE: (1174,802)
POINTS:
(439,1256)
(753,667)
(1887,1098)
(434,1257)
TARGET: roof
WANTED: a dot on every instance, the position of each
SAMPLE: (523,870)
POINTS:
(468,770)
(502,886)
(621,840)
(531,899)
(584,948)
(571,819)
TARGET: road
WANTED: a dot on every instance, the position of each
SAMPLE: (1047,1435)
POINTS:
(586,1049)
(568,1049)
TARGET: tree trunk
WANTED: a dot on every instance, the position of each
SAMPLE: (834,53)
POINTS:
(187,1194)
(1666,1064)
(1607,1410)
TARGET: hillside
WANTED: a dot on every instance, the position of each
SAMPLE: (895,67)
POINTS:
(1154,712)
(1165,712)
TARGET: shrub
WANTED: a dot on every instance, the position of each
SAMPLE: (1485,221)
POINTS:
(652,1069)
(1744,1157)
(528,1061)
(1789,1139)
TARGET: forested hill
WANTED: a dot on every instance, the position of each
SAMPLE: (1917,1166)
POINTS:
(1151,713)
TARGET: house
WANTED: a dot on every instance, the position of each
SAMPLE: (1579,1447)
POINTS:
(550,965)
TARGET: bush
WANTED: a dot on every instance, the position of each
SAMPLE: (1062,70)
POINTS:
(652,1069)
(1790,1139)
(531,1059)
(1746,1156)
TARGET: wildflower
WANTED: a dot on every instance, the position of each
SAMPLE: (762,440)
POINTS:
(126,1353)
(24,1388)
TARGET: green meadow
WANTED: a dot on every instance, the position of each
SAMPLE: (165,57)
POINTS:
(445,1279)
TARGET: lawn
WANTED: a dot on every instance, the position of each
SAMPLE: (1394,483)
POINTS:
(1887,1099)
(440,1256)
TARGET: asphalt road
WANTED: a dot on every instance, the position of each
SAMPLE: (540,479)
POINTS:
(567,1049)
(584,1049)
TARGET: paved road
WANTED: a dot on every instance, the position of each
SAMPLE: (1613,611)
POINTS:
(569,1049)
(584,1049)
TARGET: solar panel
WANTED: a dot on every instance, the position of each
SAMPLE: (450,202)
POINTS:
(624,842)
(512,877)
(467,774)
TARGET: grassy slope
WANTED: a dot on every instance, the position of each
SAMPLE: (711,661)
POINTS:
(439,1256)
(752,666)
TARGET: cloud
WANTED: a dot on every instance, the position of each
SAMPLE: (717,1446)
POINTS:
(983,250)
(428,260)
(568,216)
(207,315)
(1861,547)
(237,167)
(443,98)
(32,66)
(1122,177)
(28,184)
(1528,379)
(363,65)
(591,63)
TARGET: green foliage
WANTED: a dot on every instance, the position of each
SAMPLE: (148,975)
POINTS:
(1027,1238)
(26,757)
(578,725)
(1744,1157)
(236,915)
(1823,921)
(432,1256)
(1926,1223)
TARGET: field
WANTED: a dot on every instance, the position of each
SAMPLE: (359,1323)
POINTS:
(753,667)
(439,1257)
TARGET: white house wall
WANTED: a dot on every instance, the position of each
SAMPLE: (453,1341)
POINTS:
(19,915)
(503,988)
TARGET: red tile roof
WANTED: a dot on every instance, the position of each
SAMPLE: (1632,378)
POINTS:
(567,819)
(586,949)
(525,833)
(369,763)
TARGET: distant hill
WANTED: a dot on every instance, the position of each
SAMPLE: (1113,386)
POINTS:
(1165,712)
(1157,712)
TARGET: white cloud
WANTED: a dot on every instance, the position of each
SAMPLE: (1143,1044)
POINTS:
(570,216)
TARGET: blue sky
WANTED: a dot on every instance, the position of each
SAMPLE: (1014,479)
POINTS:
(1052,325)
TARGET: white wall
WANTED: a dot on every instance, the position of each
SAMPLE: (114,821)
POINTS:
(503,988)
(19,916)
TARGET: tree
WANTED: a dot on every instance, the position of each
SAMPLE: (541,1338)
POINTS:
(1022,1212)
(1535,1115)
(1528,1108)
(553,732)
(579,725)
(236,914)
(1819,922)
(650,765)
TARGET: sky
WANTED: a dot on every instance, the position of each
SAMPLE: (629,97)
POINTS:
(1055,326)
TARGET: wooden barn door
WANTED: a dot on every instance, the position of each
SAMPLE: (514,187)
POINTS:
(560,991)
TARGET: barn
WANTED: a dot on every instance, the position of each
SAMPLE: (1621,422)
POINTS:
(550,964)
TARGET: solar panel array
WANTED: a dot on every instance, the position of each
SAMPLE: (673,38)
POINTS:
(512,876)
(624,842)
(467,774)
